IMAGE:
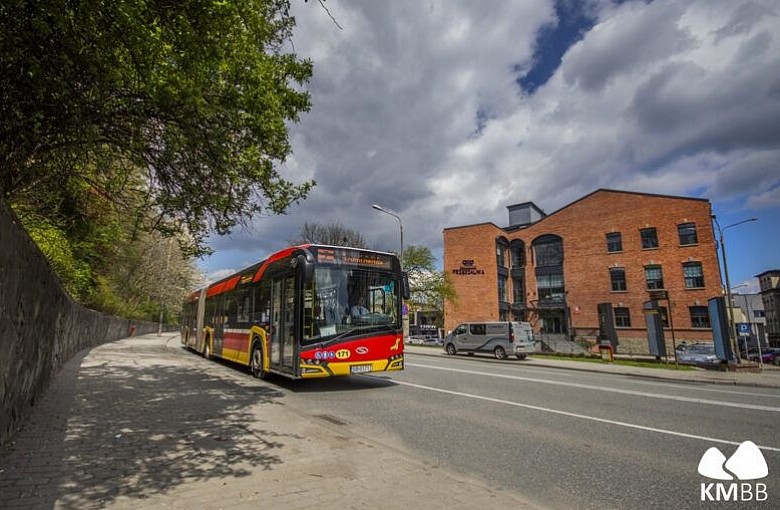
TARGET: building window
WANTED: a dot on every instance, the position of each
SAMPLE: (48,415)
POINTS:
(694,277)
(614,242)
(700,317)
(622,317)
(548,251)
(759,314)
(517,251)
(617,276)
(687,233)
(502,295)
(518,290)
(550,288)
(655,277)
(649,238)
(501,247)
(664,316)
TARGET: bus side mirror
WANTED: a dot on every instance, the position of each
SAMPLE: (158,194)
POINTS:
(405,291)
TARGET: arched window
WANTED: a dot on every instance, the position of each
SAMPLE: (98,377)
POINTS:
(517,250)
(502,245)
(548,251)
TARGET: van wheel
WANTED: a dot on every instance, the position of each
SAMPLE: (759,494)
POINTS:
(521,356)
(500,352)
(451,350)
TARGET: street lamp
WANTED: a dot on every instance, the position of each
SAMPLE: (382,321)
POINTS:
(732,331)
(401,224)
(379,208)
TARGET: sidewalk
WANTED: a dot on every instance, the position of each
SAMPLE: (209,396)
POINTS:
(140,423)
(769,378)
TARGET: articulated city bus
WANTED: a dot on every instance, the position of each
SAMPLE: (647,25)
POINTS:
(306,311)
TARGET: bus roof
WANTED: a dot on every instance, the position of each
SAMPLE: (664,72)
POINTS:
(255,271)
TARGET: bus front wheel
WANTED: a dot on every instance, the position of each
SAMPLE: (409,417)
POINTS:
(256,362)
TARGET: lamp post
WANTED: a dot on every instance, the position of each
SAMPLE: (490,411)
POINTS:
(732,331)
(401,224)
(405,318)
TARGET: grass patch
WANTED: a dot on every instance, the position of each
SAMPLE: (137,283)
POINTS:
(621,362)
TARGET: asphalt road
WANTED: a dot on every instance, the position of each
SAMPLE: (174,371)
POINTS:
(558,438)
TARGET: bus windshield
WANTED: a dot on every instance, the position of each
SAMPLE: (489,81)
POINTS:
(344,302)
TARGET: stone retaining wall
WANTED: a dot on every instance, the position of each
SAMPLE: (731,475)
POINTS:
(41,327)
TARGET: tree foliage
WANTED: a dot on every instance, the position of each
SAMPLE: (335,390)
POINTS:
(334,234)
(429,287)
(104,260)
(182,106)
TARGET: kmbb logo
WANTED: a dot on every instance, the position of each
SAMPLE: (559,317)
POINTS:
(747,463)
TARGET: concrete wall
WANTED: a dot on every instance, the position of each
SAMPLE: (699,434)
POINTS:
(41,327)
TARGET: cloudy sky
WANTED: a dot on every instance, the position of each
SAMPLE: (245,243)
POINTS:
(448,111)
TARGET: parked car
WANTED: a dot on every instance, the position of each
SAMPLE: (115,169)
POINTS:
(423,340)
(415,340)
(770,355)
(698,354)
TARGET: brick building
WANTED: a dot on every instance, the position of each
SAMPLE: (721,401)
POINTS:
(610,246)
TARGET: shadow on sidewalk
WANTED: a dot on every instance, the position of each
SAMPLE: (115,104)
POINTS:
(124,422)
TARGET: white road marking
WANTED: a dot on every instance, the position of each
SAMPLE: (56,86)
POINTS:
(692,386)
(580,416)
(634,393)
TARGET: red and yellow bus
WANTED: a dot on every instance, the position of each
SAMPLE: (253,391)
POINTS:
(306,311)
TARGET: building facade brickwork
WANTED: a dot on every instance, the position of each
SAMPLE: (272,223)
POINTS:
(608,247)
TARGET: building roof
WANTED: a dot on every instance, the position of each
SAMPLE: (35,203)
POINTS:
(600,190)
(475,225)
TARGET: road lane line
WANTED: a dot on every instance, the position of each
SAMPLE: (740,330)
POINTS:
(714,388)
(580,416)
(692,385)
(633,393)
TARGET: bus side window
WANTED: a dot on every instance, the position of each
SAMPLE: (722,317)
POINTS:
(262,302)
(229,310)
(244,302)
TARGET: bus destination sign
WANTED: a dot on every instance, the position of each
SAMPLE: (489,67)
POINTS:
(353,258)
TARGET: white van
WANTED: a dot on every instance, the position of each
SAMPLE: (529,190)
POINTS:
(502,339)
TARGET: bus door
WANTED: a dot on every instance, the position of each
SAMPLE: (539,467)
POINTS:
(283,323)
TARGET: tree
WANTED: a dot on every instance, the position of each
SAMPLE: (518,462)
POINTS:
(334,234)
(429,287)
(102,258)
(192,97)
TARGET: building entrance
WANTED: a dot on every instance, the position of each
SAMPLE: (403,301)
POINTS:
(552,322)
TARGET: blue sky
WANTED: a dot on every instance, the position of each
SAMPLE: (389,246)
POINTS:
(447,112)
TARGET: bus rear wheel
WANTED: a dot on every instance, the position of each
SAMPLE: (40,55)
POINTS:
(256,362)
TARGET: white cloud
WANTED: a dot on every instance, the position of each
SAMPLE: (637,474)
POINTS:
(215,276)
(765,200)
(416,107)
